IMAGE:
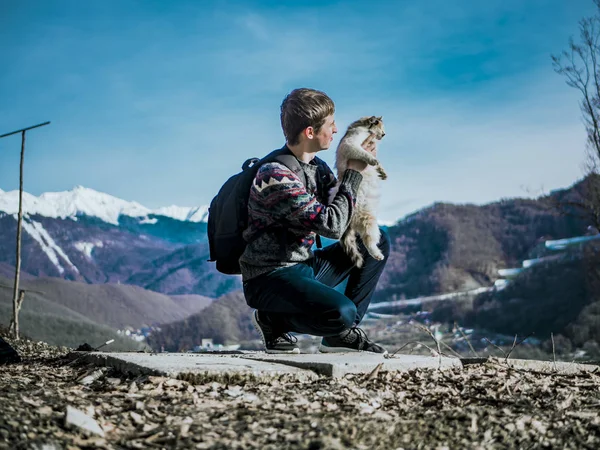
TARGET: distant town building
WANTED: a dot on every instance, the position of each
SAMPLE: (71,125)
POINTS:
(559,245)
(209,346)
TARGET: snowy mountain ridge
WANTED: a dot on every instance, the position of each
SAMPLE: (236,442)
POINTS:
(82,200)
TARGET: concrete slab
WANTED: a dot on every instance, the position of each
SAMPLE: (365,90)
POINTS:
(339,364)
(194,366)
(560,367)
(305,367)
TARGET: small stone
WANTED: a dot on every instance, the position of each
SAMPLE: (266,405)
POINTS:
(366,408)
(89,379)
(172,382)
(185,427)
(157,380)
(44,411)
(30,401)
(149,427)
(331,406)
(47,446)
(113,381)
(75,418)
(250,398)
(234,391)
(138,419)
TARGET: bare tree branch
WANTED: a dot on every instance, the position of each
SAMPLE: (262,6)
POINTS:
(428,331)
(580,65)
(516,344)
(490,342)
(465,338)
(412,342)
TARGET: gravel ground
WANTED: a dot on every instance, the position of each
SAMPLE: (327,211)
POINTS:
(486,406)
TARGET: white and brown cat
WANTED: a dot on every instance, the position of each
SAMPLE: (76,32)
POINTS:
(364,220)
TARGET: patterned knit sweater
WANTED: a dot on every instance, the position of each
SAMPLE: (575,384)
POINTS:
(279,198)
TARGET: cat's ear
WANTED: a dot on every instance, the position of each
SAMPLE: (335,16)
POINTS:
(373,120)
(380,118)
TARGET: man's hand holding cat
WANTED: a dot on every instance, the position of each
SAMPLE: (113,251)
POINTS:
(370,145)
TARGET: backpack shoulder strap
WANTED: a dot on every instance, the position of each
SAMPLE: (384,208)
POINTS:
(285,156)
(291,162)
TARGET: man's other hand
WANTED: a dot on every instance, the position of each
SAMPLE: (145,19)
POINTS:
(357,164)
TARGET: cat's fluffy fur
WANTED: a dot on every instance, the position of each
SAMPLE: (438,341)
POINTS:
(364,220)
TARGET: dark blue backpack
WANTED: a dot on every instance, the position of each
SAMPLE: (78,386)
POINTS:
(228,211)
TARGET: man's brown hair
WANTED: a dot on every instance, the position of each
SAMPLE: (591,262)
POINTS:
(304,108)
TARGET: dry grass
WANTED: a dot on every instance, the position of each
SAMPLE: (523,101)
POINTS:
(485,406)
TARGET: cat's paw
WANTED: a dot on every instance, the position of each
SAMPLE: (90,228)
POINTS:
(358,261)
(381,172)
(377,255)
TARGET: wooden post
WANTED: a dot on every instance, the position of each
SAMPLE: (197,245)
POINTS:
(15,319)
(18,297)
(14,323)
(18,264)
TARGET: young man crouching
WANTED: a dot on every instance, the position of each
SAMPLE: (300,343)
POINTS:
(290,286)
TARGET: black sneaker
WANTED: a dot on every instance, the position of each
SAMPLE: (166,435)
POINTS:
(282,343)
(351,340)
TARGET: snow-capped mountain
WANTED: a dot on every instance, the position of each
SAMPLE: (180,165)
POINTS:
(87,236)
(85,201)
(90,236)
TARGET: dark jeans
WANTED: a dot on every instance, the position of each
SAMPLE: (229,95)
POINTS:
(302,298)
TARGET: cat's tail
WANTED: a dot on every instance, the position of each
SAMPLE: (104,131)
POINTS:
(350,246)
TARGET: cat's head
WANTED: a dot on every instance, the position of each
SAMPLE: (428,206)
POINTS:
(373,124)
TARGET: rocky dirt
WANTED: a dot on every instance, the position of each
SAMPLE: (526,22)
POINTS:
(479,407)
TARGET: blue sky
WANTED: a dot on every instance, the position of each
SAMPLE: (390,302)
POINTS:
(161,101)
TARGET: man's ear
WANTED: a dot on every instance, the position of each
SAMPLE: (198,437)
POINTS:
(309,132)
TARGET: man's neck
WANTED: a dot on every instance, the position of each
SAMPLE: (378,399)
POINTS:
(302,151)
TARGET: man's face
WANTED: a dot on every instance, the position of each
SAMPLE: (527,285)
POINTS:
(324,137)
